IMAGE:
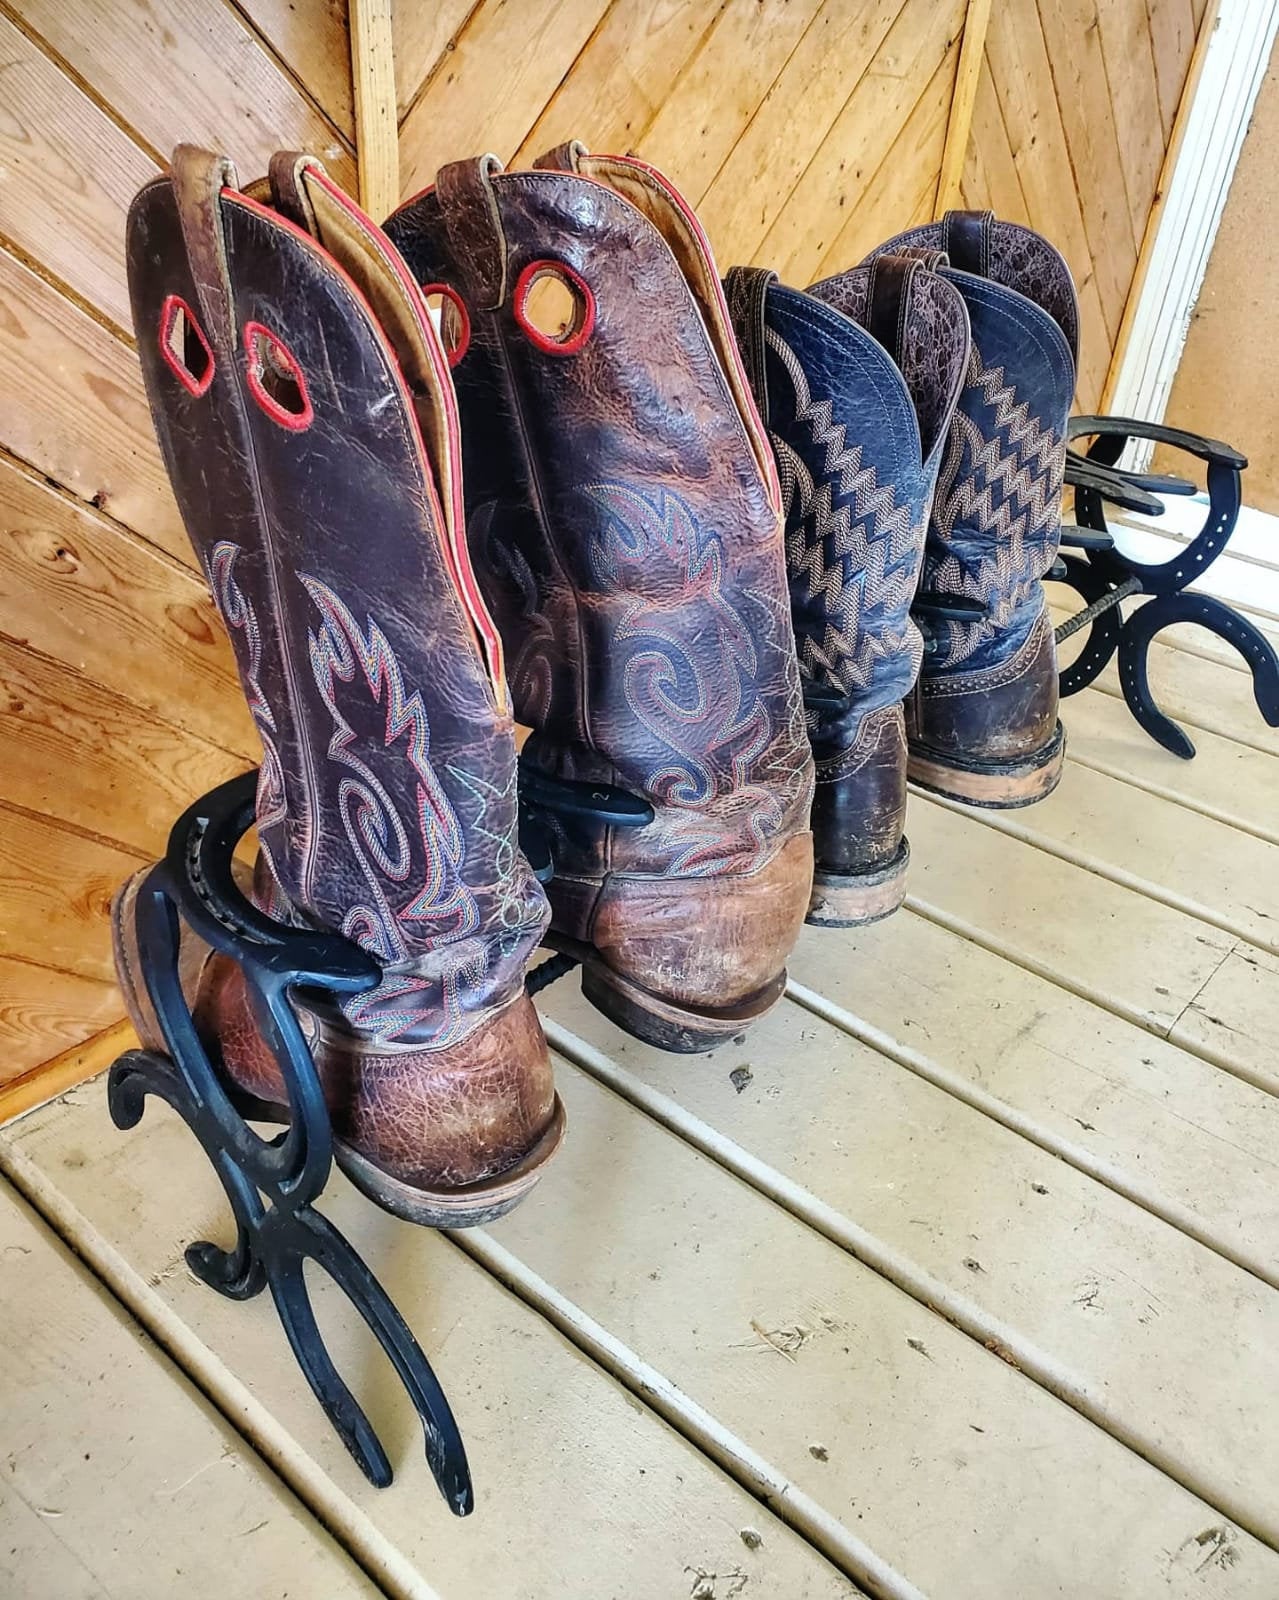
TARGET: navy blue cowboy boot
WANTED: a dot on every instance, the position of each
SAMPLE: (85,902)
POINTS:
(982,724)
(856,382)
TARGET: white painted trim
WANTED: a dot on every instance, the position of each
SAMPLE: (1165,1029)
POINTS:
(1234,65)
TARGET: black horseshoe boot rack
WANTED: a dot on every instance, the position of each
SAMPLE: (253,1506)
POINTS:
(272,1185)
(1104,578)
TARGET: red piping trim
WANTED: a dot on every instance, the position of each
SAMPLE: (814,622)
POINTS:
(457,555)
(295,421)
(174,303)
(586,324)
(454,353)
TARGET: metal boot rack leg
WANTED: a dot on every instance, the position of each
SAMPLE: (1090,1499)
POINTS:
(1104,578)
(271,1186)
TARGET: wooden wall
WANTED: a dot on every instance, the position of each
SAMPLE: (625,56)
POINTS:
(804,130)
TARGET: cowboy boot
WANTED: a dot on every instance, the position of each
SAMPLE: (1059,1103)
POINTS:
(305,414)
(624,517)
(856,383)
(982,723)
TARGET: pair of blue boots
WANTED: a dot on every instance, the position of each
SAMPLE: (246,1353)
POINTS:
(917,405)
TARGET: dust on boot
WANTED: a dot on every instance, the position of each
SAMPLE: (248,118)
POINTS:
(856,382)
(305,414)
(982,723)
(624,516)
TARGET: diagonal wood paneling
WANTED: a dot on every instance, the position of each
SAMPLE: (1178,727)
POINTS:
(805,131)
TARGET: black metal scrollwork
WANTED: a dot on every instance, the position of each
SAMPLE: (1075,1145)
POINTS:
(1104,577)
(271,1185)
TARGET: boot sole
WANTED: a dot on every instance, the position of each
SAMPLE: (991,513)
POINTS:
(854,899)
(469,1206)
(663,1023)
(997,785)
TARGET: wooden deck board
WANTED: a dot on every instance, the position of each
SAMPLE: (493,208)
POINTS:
(1093,1296)
(119,1482)
(885,1411)
(581,1491)
(967,1277)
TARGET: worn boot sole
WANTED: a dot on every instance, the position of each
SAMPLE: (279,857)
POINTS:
(469,1206)
(853,899)
(999,785)
(651,1018)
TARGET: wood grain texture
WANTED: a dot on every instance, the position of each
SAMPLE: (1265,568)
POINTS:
(189,72)
(1225,382)
(959,123)
(43,1014)
(373,75)
(74,1066)
(508,61)
(72,404)
(56,886)
(81,591)
(83,754)
(313,41)
(92,1458)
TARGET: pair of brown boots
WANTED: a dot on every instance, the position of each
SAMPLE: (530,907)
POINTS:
(576,420)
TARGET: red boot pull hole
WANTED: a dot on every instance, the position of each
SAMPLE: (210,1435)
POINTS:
(184,347)
(555,307)
(451,318)
(275,379)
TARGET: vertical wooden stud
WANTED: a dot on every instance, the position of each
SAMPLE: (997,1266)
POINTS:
(960,122)
(376,133)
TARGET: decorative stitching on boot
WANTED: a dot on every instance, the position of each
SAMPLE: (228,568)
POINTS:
(1017,666)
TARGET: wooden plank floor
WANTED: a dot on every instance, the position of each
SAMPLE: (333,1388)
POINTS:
(958,1276)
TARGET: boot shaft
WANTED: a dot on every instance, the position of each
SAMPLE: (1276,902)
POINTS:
(997,509)
(623,505)
(306,418)
(857,381)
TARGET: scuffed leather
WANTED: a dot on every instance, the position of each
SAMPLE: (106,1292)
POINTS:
(1003,713)
(336,554)
(386,805)
(996,517)
(435,1119)
(859,803)
(622,516)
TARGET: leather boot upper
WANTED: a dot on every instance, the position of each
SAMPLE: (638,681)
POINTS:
(305,414)
(997,509)
(856,381)
(623,513)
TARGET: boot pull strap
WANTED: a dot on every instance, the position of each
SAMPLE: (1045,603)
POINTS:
(966,238)
(474,223)
(564,157)
(199,178)
(746,291)
(932,260)
(289,191)
(891,278)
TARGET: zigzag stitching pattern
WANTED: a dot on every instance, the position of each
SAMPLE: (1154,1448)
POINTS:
(859,555)
(1011,488)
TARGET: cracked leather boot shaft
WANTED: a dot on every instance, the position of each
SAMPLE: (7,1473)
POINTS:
(856,381)
(624,517)
(306,417)
(983,721)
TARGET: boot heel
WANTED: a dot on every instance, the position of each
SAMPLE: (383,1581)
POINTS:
(997,785)
(684,1030)
(851,900)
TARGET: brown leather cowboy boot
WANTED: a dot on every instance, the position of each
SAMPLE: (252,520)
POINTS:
(624,516)
(305,414)
(983,721)
(856,382)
